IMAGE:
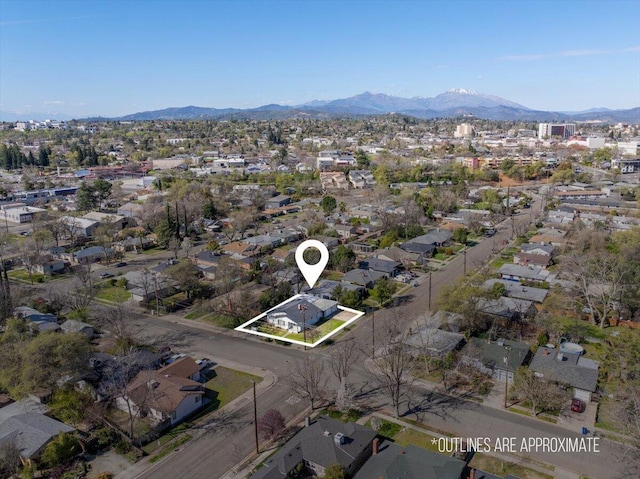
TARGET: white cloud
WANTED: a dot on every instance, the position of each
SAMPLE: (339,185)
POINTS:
(567,53)
(53,102)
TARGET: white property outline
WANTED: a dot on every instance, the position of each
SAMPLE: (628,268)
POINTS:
(357,315)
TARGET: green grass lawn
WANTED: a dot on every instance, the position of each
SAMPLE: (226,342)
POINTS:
(416,438)
(154,250)
(501,468)
(332,275)
(196,314)
(23,276)
(113,294)
(165,438)
(219,320)
(226,385)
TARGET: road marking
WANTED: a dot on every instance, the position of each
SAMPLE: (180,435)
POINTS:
(293,400)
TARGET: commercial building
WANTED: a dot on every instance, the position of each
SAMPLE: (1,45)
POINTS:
(549,130)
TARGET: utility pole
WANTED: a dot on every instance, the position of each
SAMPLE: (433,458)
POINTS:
(255,417)
(373,333)
(464,250)
(430,289)
(506,380)
(303,308)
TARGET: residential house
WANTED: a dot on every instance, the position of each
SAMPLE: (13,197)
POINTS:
(165,398)
(399,255)
(516,290)
(427,243)
(540,249)
(75,326)
(328,241)
(432,341)
(145,285)
(50,266)
(391,461)
(288,275)
(131,210)
(362,248)
(277,202)
(241,249)
(33,315)
(323,442)
(301,312)
(526,259)
(24,424)
(511,309)
(496,358)
(89,255)
(137,244)
(362,179)
(568,369)
(389,267)
(325,288)
(345,231)
(514,272)
(283,255)
(363,277)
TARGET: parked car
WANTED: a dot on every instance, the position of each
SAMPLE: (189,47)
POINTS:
(578,405)
(105,275)
(121,264)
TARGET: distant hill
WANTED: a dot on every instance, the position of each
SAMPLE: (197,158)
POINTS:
(450,104)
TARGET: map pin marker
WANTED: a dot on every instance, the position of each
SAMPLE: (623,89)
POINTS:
(312,272)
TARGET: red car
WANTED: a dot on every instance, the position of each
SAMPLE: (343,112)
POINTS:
(578,406)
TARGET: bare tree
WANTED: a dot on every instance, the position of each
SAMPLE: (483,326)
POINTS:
(308,379)
(342,359)
(10,459)
(599,279)
(393,364)
(116,321)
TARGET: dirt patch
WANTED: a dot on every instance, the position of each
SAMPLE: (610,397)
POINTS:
(110,461)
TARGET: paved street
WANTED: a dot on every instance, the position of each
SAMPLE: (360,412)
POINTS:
(219,445)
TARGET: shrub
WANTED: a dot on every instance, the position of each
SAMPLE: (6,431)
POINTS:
(271,424)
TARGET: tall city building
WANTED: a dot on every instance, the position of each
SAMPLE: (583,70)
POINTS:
(463,131)
(563,130)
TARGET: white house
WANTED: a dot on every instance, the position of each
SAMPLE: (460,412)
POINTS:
(304,311)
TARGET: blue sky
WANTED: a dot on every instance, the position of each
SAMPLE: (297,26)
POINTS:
(112,58)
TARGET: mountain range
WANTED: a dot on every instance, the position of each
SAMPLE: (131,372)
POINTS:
(451,104)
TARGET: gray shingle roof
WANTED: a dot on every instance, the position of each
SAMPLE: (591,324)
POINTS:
(526,272)
(411,462)
(312,444)
(363,276)
(377,264)
(494,352)
(572,370)
(30,431)
(517,290)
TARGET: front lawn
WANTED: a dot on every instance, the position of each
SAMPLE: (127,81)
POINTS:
(113,294)
(411,437)
(501,468)
(22,275)
(220,320)
(227,384)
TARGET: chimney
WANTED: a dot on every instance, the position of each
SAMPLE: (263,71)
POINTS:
(376,443)
(472,474)
(307,421)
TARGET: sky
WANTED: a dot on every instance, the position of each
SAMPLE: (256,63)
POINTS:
(111,58)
